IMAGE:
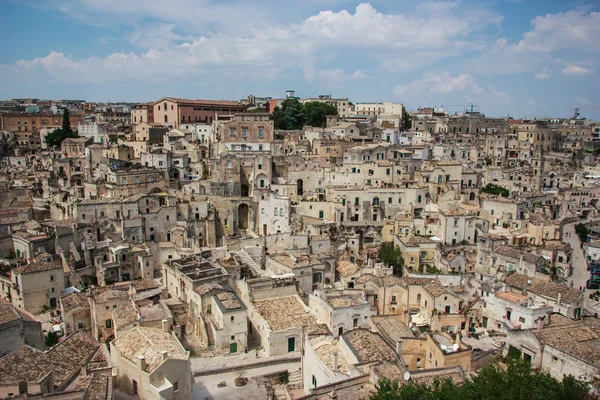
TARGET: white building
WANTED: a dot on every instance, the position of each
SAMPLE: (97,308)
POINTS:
(387,107)
(98,131)
(341,310)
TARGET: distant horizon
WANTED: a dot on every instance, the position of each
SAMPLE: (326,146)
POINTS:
(450,113)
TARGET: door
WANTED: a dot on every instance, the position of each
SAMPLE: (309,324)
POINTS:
(447,309)
(135,387)
(291,344)
(233,348)
(265,230)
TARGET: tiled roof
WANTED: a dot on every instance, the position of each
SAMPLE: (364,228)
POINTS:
(229,301)
(104,294)
(435,288)
(63,361)
(284,313)
(346,268)
(149,343)
(74,301)
(369,347)
(8,313)
(144,284)
(516,254)
(392,327)
(544,288)
(36,267)
(126,314)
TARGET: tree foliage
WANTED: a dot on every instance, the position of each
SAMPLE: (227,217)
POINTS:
(496,189)
(390,255)
(516,382)
(294,115)
(55,138)
(6,146)
(406,121)
(582,231)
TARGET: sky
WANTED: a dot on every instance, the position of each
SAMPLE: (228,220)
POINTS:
(523,58)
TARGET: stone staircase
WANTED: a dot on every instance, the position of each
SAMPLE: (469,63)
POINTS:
(295,379)
(280,392)
(243,257)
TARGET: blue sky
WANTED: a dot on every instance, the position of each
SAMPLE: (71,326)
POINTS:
(524,58)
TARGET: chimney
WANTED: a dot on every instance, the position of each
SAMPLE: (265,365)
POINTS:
(399,347)
(164,355)
(540,323)
(165,325)
(333,395)
(141,362)
(334,361)
(559,298)
(83,369)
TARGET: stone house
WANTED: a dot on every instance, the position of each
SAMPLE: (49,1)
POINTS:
(152,365)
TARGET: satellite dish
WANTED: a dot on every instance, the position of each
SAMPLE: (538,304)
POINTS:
(406,376)
(455,346)
(462,282)
(410,324)
(529,281)
(443,347)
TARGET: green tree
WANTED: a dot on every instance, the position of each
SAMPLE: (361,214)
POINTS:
(289,116)
(316,113)
(293,115)
(55,138)
(496,189)
(6,147)
(406,121)
(390,255)
(51,339)
(515,382)
(582,231)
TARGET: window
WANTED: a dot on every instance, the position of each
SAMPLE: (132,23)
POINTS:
(51,278)
(355,322)
(260,134)
(423,255)
(244,133)
(259,166)
(175,386)
(231,132)
(419,199)
(419,297)
(321,214)
(108,323)
(228,164)
(314,381)
(393,299)
(232,318)
(425,303)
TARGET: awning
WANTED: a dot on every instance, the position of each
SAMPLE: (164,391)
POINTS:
(418,320)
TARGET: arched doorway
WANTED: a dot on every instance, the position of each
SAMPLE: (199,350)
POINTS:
(300,187)
(243,216)
(176,174)
(472,196)
(245,190)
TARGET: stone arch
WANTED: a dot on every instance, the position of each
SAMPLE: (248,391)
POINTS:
(262,181)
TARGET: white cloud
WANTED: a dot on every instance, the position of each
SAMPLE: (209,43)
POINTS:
(573,31)
(502,96)
(172,46)
(582,100)
(545,74)
(358,74)
(438,84)
(576,70)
